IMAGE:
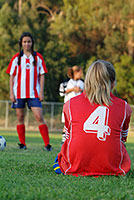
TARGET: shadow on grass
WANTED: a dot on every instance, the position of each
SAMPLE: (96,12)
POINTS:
(130,174)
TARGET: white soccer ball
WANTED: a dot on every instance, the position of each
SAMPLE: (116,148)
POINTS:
(2,143)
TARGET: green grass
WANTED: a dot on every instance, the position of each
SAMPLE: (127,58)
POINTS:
(28,174)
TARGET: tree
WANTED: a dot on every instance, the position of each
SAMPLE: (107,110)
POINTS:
(8,44)
(125,78)
(57,62)
(96,30)
(10,30)
(69,32)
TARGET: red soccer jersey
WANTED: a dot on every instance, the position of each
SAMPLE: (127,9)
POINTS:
(26,75)
(93,145)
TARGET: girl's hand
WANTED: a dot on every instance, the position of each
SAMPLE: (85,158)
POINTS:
(77,89)
(41,97)
(12,97)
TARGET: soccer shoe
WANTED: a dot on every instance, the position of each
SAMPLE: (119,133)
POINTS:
(56,166)
(48,147)
(22,146)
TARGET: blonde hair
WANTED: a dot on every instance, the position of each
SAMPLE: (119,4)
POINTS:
(98,81)
(72,70)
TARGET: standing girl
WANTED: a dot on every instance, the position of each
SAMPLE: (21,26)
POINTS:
(26,70)
(75,87)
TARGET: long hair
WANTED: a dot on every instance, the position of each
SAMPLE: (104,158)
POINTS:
(99,77)
(72,70)
(26,34)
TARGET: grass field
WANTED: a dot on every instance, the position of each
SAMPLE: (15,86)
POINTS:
(28,174)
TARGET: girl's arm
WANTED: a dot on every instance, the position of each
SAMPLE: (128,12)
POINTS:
(125,128)
(75,89)
(41,94)
(12,97)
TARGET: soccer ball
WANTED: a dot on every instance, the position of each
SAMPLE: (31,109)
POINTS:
(2,143)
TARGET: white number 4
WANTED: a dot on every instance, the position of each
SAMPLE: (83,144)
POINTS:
(97,123)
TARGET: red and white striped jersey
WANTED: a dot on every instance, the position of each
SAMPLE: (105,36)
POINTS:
(26,75)
(94,134)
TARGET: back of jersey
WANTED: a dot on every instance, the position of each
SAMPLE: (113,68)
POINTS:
(94,146)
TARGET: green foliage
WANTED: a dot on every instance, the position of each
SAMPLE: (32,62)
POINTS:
(69,32)
(125,77)
(57,59)
(10,30)
(7,44)
(28,174)
(89,62)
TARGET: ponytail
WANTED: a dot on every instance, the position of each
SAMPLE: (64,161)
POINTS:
(70,73)
(98,81)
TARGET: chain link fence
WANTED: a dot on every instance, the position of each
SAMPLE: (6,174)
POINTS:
(52,114)
(51,111)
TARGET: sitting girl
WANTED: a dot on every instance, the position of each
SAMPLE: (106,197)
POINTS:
(96,125)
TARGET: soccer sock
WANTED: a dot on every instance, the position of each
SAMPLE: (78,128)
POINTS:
(44,133)
(21,133)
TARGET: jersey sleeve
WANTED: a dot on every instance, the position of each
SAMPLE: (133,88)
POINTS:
(125,128)
(42,65)
(66,111)
(70,84)
(11,69)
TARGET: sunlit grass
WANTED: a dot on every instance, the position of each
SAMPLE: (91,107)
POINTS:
(28,174)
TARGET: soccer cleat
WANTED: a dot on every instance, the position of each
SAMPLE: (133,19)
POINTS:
(48,147)
(56,166)
(22,146)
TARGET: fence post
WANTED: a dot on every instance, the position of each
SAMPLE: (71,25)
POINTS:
(52,115)
(6,115)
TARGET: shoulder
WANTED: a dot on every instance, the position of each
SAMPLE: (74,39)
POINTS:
(71,81)
(39,55)
(121,103)
(15,56)
(12,62)
(80,99)
(117,99)
(80,81)
(78,103)
(41,61)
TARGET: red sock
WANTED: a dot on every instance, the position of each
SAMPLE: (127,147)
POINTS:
(21,133)
(44,133)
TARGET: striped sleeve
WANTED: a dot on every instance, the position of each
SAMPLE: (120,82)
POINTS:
(42,64)
(12,65)
(125,128)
